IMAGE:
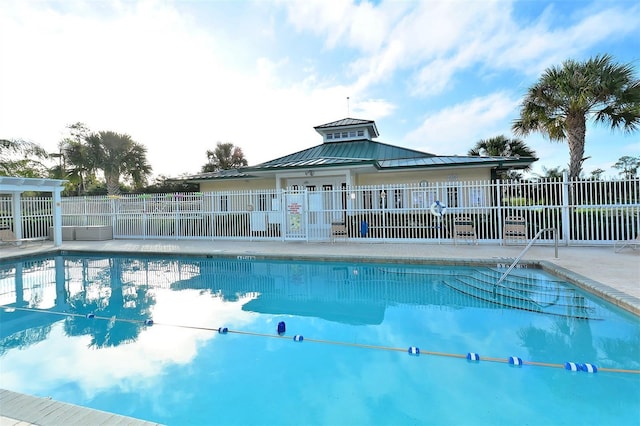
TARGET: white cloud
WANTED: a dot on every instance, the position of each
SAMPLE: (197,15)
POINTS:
(454,130)
(434,78)
(437,39)
(361,26)
(373,109)
(537,47)
(147,72)
(179,77)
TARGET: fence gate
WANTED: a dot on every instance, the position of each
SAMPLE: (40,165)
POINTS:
(295,205)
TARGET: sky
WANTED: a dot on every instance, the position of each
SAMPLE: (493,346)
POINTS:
(180,76)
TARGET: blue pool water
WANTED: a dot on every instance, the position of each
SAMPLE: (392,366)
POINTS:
(352,367)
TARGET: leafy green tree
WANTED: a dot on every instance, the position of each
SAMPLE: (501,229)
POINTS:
(596,174)
(117,156)
(628,166)
(22,158)
(501,146)
(226,156)
(564,98)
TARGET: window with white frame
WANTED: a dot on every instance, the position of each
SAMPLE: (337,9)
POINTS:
(431,196)
(224,203)
(477,197)
(419,199)
(262,203)
(452,196)
(398,198)
(367,200)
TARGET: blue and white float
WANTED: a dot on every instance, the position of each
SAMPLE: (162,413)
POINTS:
(571,366)
(514,360)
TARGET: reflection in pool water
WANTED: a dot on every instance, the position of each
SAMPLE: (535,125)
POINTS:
(180,370)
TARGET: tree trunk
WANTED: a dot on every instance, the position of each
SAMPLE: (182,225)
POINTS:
(113,184)
(576,131)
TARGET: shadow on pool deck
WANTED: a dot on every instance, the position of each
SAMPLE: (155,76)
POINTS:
(600,270)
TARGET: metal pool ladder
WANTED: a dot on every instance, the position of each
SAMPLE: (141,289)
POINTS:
(515,262)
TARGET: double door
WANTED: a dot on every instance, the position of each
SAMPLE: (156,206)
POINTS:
(310,211)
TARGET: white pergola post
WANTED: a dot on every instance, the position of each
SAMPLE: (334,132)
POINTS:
(17,214)
(17,185)
(57,217)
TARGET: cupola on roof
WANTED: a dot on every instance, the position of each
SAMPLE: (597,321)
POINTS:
(348,129)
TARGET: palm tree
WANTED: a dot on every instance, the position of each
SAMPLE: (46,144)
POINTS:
(501,146)
(554,173)
(117,155)
(224,157)
(75,164)
(564,98)
(81,164)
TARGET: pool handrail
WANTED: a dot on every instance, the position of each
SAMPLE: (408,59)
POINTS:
(517,259)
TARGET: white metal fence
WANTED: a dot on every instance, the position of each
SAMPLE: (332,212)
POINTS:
(37,215)
(583,212)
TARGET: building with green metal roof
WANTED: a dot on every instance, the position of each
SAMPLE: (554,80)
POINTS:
(348,156)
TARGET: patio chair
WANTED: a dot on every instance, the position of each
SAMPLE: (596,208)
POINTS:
(8,237)
(514,229)
(338,230)
(632,244)
(464,229)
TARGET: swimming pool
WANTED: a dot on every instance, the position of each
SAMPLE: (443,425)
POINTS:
(81,333)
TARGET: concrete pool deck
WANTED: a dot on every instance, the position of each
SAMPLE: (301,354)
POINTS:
(600,270)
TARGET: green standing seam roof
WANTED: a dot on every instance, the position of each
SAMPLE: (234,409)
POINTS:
(220,174)
(345,122)
(362,152)
(342,152)
(444,161)
(384,156)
